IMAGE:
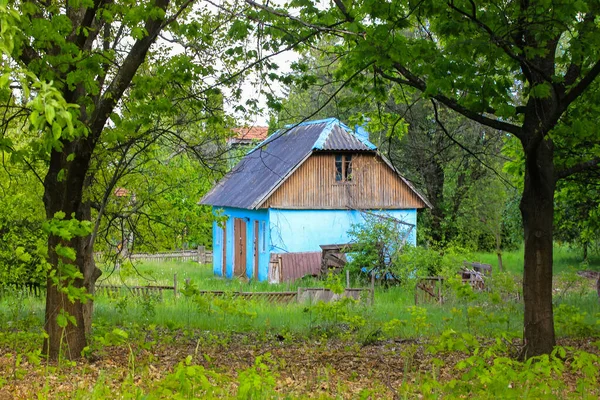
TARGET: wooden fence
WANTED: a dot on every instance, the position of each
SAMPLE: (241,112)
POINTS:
(434,289)
(301,295)
(200,255)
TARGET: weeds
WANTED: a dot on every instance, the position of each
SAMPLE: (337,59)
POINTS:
(228,347)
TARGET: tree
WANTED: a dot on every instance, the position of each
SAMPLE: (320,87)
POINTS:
(67,67)
(517,67)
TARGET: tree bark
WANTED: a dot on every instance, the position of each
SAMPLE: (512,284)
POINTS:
(537,209)
(65,193)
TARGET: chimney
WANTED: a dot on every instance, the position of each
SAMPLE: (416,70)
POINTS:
(360,130)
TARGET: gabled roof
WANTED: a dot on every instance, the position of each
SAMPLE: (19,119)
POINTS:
(272,161)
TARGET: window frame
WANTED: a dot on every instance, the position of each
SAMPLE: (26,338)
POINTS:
(343,168)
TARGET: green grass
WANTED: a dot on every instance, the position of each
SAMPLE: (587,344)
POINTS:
(479,315)
(565,259)
(163,274)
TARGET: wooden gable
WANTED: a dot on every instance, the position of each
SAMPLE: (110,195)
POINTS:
(374,185)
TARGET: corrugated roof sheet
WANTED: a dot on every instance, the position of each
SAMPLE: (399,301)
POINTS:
(339,139)
(253,178)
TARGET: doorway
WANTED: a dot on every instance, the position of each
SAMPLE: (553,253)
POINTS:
(239,257)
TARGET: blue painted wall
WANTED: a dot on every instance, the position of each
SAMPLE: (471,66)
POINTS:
(282,231)
(262,216)
(305,230)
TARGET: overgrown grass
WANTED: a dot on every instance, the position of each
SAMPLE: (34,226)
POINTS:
(463,348)
(566,258)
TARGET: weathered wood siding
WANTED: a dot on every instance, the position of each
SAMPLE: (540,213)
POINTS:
(374,185)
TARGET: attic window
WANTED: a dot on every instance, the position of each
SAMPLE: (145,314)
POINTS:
(343,167)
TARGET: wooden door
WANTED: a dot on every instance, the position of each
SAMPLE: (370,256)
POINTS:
(224,266)
(255,276)
(239,248)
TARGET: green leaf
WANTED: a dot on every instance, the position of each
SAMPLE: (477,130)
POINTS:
(541,91)
(62,320)
(50,113)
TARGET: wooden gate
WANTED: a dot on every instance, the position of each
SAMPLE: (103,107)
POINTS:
(239,258)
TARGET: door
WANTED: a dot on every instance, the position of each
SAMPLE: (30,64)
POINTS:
(224,266)
(239,258)
(255,276)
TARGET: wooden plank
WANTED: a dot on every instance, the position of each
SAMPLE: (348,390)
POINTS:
(375,186)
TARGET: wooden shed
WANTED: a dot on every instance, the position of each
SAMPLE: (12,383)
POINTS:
(304,186)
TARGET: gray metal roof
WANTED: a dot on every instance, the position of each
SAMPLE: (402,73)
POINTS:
(339,140)
(272,161)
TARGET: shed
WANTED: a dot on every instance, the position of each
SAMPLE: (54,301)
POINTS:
(302,187)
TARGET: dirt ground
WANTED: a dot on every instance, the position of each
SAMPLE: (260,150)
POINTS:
(305,369)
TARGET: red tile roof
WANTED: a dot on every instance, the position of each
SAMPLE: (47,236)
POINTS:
(251,132)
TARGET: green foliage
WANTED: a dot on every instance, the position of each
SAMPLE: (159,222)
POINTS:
(258,381)
(377,245)
(572,322)
(190,381)
(22,248)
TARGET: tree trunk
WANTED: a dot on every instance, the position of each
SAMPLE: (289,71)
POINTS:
(585,251)
(434,181)
(64,193)
(537,209)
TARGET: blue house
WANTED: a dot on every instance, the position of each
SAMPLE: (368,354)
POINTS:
(304,186)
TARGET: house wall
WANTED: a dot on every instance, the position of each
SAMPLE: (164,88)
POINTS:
(305,230)
(282,231)
(262,216)
(374,185)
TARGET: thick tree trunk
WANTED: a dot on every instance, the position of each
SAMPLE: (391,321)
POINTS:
(65,194)
(62,341)
(537,209)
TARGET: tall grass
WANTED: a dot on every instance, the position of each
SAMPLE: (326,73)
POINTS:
(565,259)
(239,315)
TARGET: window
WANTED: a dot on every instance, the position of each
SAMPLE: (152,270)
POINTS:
(343,167)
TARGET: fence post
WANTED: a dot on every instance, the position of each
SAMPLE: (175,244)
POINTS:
(201,255)
(175,285)
(372,287)
(347,279)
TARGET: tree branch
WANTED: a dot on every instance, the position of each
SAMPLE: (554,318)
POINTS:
(468,151)
(497,40)
(418,83)
(577,168)
(580,87)
(123,78)
(319,28)
(342,7)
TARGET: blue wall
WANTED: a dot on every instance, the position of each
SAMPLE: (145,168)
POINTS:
(263,242)
(305,230)
(282,231)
